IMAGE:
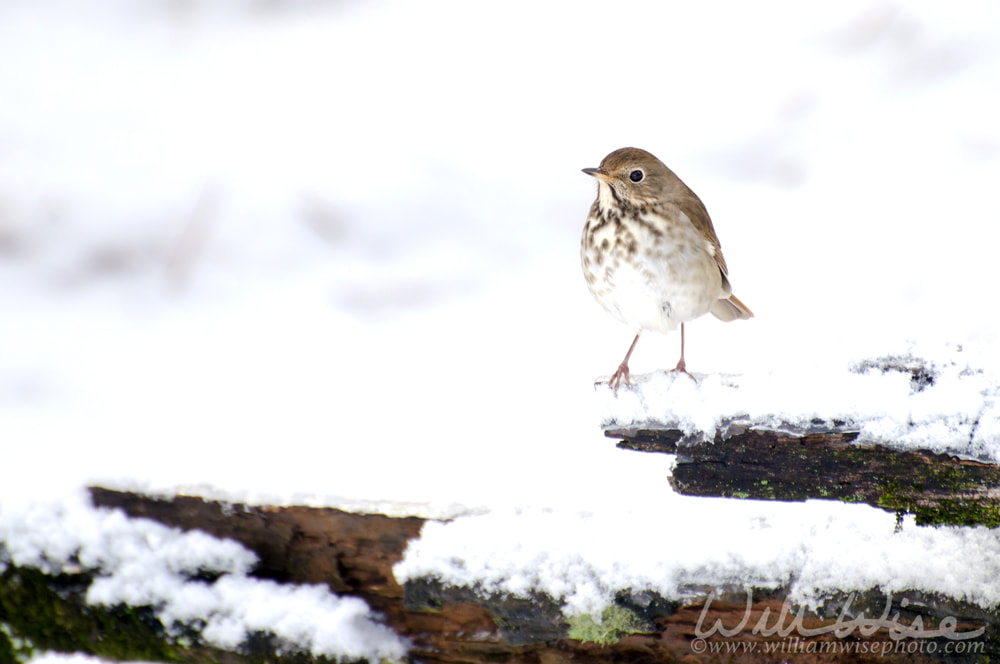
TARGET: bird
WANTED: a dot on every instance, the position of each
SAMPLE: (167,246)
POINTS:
(650,254)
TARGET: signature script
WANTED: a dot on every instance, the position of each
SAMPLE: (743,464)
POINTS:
(845,625)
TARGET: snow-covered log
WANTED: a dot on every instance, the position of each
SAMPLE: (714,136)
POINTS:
(745,462)
(280,553)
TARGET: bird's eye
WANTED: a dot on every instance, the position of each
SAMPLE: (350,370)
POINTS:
(635,176)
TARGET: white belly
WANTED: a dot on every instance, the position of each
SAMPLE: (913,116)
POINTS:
(642,299)
(657,288)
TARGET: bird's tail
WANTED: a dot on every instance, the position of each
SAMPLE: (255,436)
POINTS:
(730,308)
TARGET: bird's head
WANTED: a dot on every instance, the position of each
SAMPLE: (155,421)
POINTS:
(633,176)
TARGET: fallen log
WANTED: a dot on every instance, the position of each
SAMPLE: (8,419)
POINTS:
(765,464)
(354,554)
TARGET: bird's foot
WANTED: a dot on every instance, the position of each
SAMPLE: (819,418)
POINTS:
(616,378)
(682,368)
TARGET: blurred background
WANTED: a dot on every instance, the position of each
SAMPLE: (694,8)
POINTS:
(328,251)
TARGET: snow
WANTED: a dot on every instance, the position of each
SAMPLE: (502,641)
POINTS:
(899,401)
(64,658)
(327,254)
(142,563)
(685,546)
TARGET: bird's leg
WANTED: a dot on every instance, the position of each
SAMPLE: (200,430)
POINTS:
(681,366)
(622,371)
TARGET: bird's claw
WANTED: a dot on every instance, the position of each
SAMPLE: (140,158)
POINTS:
(616,378)
(682,368)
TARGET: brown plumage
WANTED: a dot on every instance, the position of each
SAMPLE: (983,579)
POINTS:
(649,251)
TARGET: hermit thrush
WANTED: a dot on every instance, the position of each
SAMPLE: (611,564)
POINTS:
(649,252)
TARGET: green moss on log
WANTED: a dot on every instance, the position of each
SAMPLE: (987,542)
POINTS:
(43,612)
(945,512)
(616,622)
(14,648)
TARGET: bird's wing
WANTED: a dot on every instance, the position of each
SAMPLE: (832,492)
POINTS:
(698,215)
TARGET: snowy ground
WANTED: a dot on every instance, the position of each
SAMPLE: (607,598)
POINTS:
(327,253)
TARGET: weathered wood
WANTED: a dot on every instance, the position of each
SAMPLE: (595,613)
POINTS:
(354,553)
(765,464)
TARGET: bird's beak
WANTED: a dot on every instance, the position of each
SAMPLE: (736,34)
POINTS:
(598,173)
